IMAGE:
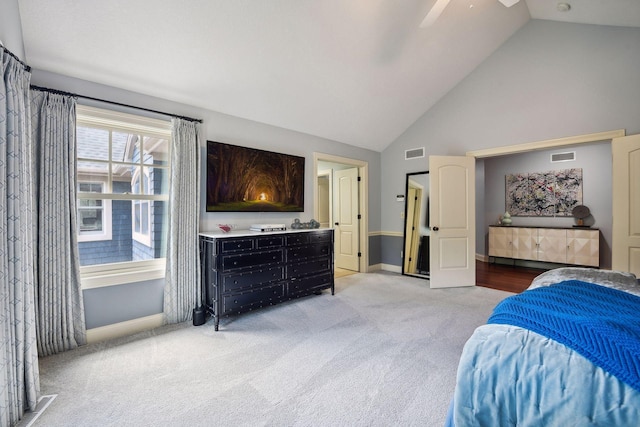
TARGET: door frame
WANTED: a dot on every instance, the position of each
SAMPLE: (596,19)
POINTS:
(363,173)
(542,145)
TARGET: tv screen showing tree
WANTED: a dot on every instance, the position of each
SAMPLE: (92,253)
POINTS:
(242,179)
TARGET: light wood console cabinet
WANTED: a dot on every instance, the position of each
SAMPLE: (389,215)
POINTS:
(579,246)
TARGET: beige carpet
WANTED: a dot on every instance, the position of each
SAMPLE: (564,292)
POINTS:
(383,351)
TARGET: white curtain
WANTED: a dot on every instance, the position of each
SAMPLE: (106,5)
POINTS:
(60,310)
(19,377)
(182,290)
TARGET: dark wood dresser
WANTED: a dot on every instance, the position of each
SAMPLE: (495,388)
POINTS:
(246,270)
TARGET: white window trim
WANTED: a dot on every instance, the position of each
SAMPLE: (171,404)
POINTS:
(121,273)
(106,233)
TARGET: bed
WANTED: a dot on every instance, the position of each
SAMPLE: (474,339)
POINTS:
(524,369)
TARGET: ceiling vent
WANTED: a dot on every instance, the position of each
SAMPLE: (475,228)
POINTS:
(414,153)
(569,156)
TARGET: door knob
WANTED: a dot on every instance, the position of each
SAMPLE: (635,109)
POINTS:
(435,228)
(337,223)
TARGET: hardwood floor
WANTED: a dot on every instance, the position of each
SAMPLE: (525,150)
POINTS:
(505,277)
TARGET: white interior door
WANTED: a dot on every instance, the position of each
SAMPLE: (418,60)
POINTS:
(452,219)
(346,246)
(626,204)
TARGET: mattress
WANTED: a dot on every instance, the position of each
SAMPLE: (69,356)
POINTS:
(510,376)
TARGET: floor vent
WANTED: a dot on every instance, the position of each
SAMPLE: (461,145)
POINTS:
(569,156)
(414,153)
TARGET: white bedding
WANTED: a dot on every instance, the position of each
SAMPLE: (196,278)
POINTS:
(510,376)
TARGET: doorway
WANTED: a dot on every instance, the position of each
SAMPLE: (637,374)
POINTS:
(340,199)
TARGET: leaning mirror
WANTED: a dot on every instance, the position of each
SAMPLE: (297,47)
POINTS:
(415,260)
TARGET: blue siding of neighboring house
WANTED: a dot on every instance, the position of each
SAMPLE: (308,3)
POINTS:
(119,248)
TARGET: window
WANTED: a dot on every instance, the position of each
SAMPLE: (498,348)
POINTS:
(94,215)
(123,165)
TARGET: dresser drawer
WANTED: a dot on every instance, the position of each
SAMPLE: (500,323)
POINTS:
(271,241)
(297,239)
(309,267)
(320,236)
(236,282)
(235,245)
(251,259)
(252,299)
(309,284)
(304,252)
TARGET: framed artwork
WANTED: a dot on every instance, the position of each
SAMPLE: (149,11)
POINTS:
(553,193)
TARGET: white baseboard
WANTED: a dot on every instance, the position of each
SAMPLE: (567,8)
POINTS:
(483,258)
(373,268)
(122,329)
(391,267)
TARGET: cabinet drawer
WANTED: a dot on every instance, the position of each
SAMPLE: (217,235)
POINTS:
(266,242)
(252,299)
(320,236)
(253,259)
(298,239)
(236,282)
(311,251)
(234,245)
(310,267)
(309,284)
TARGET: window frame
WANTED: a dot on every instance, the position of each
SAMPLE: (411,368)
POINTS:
(125,272)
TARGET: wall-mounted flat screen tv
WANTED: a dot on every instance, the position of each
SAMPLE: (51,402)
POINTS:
(242,179)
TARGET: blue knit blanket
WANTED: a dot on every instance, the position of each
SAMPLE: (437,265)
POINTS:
(600,323)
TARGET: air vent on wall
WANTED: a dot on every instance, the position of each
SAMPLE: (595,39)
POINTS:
(414,153)
(569,156)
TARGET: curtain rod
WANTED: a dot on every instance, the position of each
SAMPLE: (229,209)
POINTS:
(14,56)
(61,92)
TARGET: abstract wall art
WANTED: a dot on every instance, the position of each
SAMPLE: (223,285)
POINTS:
(553,193)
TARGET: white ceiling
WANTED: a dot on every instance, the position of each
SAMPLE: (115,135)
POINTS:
(355,71)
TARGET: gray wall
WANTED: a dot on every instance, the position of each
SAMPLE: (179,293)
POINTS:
(595,161)
(11,28)
(549,80)
(237,131)
(223,128)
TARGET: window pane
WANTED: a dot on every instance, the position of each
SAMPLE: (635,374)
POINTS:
(122,184)
(92,143)
(90,187)
(82,203)
(158,180)
(156,150)
(144,218)
(92,171)
(136,216)
(90,220)
(127,217)
(123,147)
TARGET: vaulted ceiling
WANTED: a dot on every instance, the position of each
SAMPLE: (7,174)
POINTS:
(354,71)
